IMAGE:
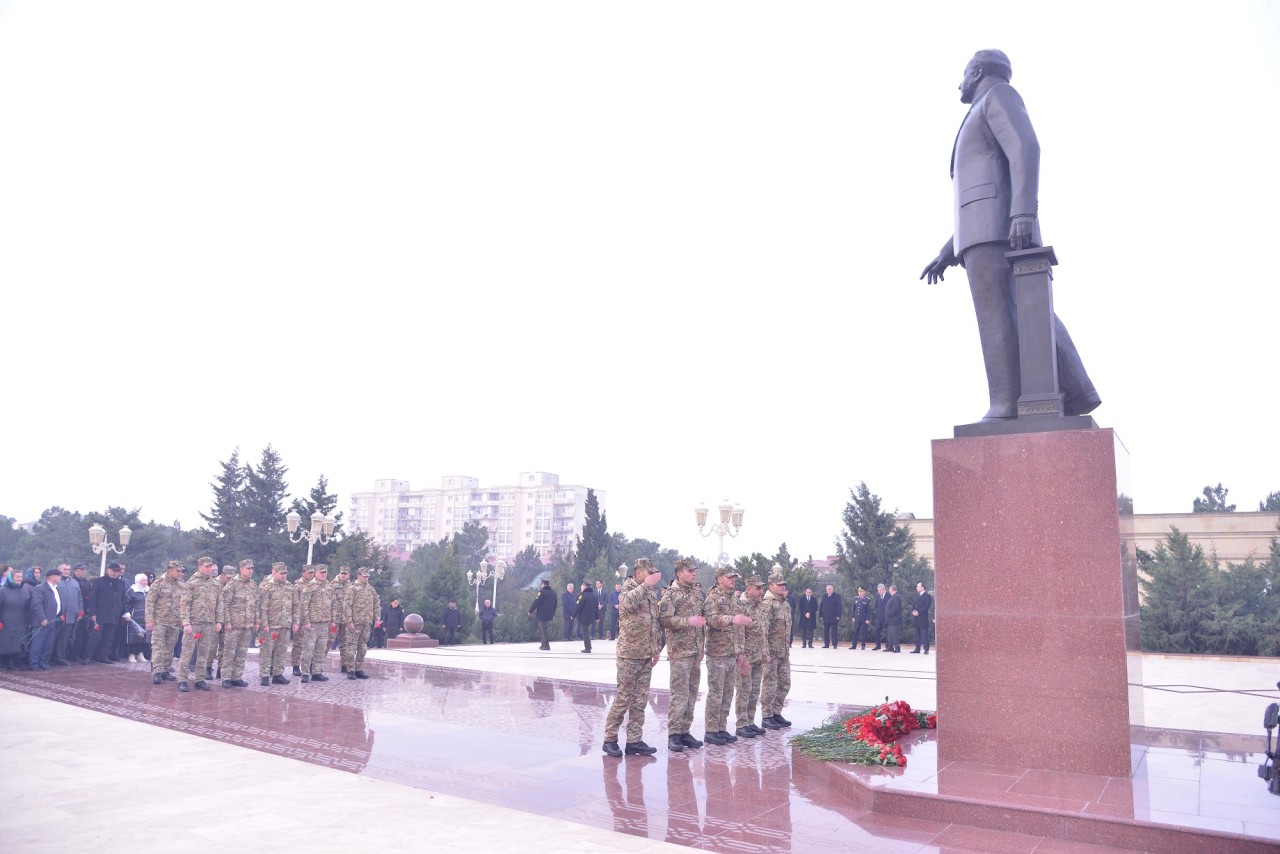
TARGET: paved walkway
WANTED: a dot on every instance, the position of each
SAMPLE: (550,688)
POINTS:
(484,747)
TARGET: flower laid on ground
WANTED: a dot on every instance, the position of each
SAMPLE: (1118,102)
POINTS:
(868,737)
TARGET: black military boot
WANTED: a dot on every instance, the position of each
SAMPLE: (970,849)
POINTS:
(746,731)
(689,741)
(360,674)
(352,676)
(781,721)
(639,748)
(297,671)
(228,683)
(770,723)
(612,748)
(675,743)
(202,685)
(266,680)
(306,677)
(156,678)
(279,680)
(182,686)
(727,736)
(168,677)
(319,677)
(715,738)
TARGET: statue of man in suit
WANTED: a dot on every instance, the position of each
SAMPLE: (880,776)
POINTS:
(995,170)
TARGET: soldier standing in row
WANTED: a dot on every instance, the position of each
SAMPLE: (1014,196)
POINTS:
(162,620)
(637,652)
(227,573)
(341,587)
(756,652)
(201,614)
(363,611)
(319,625)
(240,610)
(724,648)
(681,614)
(777,670)
(301,587)
(276,617)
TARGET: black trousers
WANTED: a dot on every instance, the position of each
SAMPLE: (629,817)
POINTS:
(62,643)
(830,633)
(860,633)
(922,637)
(486,631)
(585,630)
(806,635)
(893,637)
(101,642)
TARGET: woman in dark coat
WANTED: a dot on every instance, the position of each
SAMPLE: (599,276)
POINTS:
(15,611)
(137,639)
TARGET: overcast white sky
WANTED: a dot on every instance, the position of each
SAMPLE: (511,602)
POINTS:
(666,249)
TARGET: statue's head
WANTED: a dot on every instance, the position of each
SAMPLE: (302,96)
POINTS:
(985,63)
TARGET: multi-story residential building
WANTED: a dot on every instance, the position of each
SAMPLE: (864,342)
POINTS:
(535,511)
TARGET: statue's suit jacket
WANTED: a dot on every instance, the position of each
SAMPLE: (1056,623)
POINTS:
(995,169)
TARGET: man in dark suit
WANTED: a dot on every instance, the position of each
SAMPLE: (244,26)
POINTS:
(830,607)
(882,602)
(569,610)
(862,607)
(995,170)
(106,613)
(920,617)
(808,618)
(893,617)
(46,614)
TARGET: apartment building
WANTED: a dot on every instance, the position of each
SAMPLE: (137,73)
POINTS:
(537,510)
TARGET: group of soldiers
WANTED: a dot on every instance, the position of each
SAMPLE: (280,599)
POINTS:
(217,614)
(745,637)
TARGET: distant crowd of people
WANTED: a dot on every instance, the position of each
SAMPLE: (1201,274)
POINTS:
(205,624)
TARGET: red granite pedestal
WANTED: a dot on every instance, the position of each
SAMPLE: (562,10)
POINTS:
(411,641)
(1037,602)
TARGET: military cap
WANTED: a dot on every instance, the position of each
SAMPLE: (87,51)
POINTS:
(363,572)
(684,563)
(322,567)
(755,581)
(228,569)
(279,566)
(246,562)
(205,561)
(344,569)
(644,563)
(722,571)
(776,577)
(176,564)
(309,568)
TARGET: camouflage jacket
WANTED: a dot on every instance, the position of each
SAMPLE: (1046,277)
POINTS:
(678,604)
(723,637)
(240,604)
(318,604)
(275,605)
(202,603)
(340,597)
(637,622)
(779,630)
(755,637)
(301,589)
(163,599)
(362,605)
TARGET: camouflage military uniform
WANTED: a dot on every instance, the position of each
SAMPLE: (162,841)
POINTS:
(360,608)
(777,670)
(755,648)
(240,611)
(724,646)
(301,588)
(276,619)
(684,652)
(163,599)
(225,575)
(201,610)
(341,591)
(323,616)
(637,647)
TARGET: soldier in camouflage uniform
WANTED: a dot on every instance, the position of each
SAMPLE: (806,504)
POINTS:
(301,588)
(725,639)
(240,614)
(637,652)
(162,620)
(201,613)
(277,617)
(755,647)
(319,625)
(362,611)
(228,572)
(680,612)
(777,670)
(340,589)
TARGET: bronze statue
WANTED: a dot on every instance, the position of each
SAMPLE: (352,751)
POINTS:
(995,170)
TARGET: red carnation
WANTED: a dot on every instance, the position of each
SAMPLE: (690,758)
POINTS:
(275,635)
(198,635)
(333,630)
(96,628)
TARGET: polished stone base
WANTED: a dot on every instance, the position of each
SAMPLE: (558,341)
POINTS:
(1034,610)
(408,641)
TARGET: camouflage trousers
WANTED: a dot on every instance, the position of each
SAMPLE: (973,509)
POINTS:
(200,648)
(275,647)
(316,641)
(775,685)
(235,642)
(686,676)
(297,649)
(634,675)
(722,676)
(749,693)
(354,643)
(163,639)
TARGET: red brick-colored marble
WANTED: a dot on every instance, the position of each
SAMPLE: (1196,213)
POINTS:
(1034,611)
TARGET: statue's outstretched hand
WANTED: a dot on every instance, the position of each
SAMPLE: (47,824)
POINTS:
(1022,232)
(934,270)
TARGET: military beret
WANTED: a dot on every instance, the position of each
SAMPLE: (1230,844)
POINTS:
(722,571)
(246,562)
(684,563)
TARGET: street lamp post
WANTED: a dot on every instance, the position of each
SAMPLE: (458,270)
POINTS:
(321,530)
(478,577)
(98,542)
(730,523)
